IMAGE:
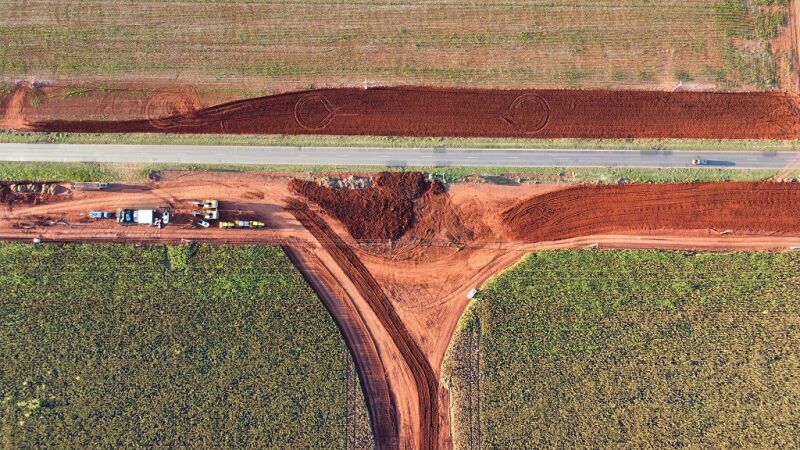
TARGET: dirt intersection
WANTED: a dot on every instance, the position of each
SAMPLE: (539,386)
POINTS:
(398,301)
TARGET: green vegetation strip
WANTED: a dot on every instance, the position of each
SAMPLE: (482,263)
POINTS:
(397,142)
(498,175)
(635,349)
(112,346)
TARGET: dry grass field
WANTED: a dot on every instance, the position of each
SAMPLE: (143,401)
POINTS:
(270,46)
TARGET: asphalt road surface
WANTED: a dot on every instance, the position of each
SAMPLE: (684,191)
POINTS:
(398,157)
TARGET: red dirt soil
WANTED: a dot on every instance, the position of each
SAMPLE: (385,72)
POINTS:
(412,292)
(427,285)
(479,113)
(12,108)
(427,382)
(761,207)
(371,370)
(382,212)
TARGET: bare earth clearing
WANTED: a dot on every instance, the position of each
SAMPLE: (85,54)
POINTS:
(437,112)
(398,302)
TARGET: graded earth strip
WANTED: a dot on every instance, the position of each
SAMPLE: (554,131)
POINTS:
(406,111)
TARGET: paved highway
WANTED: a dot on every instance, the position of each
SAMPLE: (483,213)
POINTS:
(428,157)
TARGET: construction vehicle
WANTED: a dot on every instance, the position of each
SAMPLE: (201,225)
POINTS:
(208,215)
(249,224)
(207,204)
(226,224)
(152,217)
(101,215)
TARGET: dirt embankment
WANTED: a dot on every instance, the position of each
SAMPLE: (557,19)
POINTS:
(12,107)
(427,382)
(742,208)
(478,113)
(31,192)
(382,211)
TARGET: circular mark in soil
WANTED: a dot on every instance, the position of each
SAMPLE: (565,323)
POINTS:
(528,113)
(165,105)
(314,112)
(117,105)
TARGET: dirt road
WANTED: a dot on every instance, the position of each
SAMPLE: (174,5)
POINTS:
(398,301)
(371,370)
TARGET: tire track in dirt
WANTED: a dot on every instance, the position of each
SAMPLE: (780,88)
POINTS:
(382,410)
(407,111)
(427,383)
(760,207)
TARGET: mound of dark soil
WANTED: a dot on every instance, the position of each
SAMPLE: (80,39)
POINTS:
(383,211)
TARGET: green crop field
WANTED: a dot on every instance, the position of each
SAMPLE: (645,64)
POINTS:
(268,46)
(631,349)
(113,346)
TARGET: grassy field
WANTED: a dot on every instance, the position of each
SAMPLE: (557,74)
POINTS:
(631,349)
(279,46)
(112,346)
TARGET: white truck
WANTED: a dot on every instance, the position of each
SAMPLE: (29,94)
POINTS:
(152,217)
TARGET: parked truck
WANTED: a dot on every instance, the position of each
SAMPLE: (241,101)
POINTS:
(249,224)
(152,217)
(207,204)
(207,215)
(101,215)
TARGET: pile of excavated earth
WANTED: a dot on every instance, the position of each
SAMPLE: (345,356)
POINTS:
(29,192)
(762,207)
(388,208)
(380,210)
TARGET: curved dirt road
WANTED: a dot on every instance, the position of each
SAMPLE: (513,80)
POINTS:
(370,367)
